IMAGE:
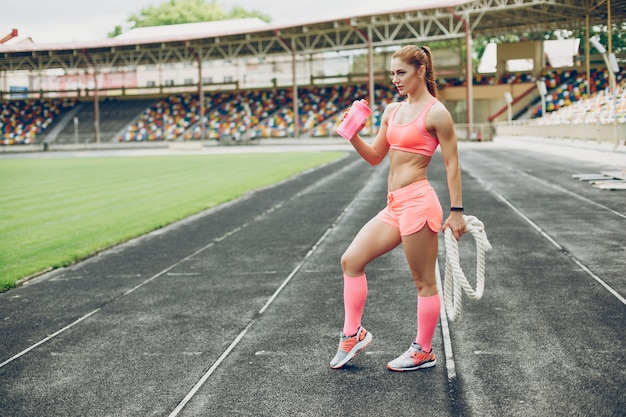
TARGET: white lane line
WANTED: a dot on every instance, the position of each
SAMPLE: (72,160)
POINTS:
(11,359)
(169,268)
(240,336)
(524,217)
(571,193)
(445,330)
(299,266)
(598,279)
(554,242)
(212,369)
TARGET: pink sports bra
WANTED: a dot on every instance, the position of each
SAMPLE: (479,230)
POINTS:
(413,136)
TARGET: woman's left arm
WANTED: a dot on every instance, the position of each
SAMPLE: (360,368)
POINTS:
(442,124)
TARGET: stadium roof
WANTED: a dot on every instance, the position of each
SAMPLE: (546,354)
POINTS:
(418,24)
(193,30)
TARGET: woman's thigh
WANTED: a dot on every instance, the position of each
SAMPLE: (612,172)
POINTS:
(421,250)
(373,240)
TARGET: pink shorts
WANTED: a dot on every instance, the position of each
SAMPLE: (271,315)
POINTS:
(412,206)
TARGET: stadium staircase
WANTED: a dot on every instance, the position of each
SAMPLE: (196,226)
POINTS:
(115,115)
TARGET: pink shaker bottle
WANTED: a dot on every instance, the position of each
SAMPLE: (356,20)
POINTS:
(357,115)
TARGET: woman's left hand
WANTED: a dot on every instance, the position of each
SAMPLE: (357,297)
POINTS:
(456,223)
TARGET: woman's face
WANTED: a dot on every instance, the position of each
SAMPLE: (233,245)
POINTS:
(405,77)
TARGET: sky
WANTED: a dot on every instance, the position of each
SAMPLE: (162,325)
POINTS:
(86,20)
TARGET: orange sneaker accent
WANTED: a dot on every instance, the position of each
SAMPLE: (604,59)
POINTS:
(414,358)
(421,357)
(350,346)
(349,343)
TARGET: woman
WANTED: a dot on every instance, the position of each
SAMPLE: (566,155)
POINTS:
(409,132)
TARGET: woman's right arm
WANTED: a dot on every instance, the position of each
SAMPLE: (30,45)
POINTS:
(374,153)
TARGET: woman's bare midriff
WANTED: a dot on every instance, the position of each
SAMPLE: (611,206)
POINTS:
(405,168)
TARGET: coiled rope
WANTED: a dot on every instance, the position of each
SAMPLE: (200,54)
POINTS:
(455,279)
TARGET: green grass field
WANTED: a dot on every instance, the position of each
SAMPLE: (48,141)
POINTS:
(58,211)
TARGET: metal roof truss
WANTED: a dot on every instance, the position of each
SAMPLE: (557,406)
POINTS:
(485,18)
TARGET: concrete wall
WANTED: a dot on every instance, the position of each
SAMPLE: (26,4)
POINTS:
(597,132)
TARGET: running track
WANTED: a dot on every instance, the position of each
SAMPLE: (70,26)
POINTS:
(236,311)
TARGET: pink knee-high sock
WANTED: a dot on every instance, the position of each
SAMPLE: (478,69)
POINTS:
(428,309)
(354,296)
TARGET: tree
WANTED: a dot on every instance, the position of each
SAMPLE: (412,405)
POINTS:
(618,37)
(173,12)
(117,30)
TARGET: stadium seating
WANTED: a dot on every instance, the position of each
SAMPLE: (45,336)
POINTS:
(232,115)
(166,119)
(568,87)
(22,121)
(600,108)
(240,111)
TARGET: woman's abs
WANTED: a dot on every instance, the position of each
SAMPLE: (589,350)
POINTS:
(405,168)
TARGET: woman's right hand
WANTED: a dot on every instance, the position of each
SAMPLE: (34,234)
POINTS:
(456,223)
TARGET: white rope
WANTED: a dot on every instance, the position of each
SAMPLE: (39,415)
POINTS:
(454,277)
